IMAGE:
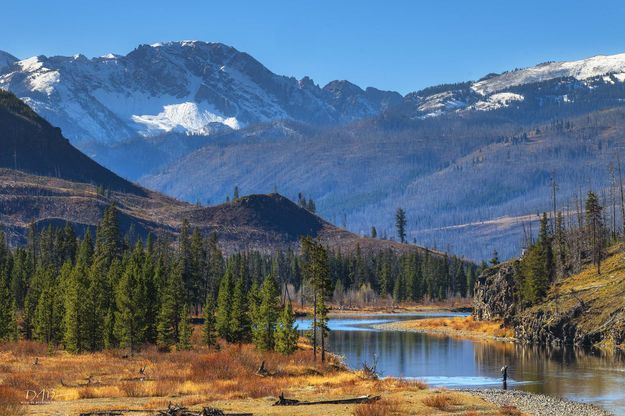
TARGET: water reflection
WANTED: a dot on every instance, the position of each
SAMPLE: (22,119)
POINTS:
(571,373)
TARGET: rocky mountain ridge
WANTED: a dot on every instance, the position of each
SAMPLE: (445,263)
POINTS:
(191,87)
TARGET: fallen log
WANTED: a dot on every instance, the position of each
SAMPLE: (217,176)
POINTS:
(172,410)
(177,410)
(282,401)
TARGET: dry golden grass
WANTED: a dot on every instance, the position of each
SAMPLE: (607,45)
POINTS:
(602,294)
(382,407)
(457,326)
(224,379)
(441,401)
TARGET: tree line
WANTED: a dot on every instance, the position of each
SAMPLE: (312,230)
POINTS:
(104,290)
(565,241)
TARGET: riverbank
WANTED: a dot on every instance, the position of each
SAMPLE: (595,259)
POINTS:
(455,306)
(537,404)
(460,326)
(35,381)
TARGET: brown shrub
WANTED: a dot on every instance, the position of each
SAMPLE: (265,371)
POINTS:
(10,401)
(440,401)
(508,410)
(25,348)
(132,389)
(22,381)
(87,393)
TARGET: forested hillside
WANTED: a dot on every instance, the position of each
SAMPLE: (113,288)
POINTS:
(105,289)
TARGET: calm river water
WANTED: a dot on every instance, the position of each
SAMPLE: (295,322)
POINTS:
(454,363)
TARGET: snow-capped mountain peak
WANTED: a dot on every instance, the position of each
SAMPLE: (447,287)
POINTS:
(186,86)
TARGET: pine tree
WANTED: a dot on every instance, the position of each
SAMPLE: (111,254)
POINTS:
(595,229)
(400,224)
(172,301)
(253,310)
(184,255)
(130,301)
(95,305)
(185,330)
(8,322)
(73,319)
(239,326)
(75,284)
(495,258)
(319,274)
(108,240)
(108,331)
(286,331)
(209,329)
(48,316)
(266,316)
(224,305)
(374,232)
(198,268)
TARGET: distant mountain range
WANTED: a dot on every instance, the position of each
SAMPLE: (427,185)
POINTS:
(45,181)
(470,161)
(189,87)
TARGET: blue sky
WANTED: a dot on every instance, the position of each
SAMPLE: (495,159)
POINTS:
(399,45)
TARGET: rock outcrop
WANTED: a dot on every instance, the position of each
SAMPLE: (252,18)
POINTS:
(585,309)
(495,294)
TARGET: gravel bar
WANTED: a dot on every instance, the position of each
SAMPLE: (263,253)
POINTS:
(538,404)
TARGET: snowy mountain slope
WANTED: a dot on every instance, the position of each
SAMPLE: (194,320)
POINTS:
(580,70)
(187,87)
(542,83)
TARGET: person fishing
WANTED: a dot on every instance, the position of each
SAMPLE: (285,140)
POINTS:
(504,376)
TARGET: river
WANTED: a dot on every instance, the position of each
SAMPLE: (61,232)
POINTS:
(450,362)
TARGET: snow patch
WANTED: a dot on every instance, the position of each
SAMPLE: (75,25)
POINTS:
(30,64)
(620,77)
(185,117)
(495,101)
(442,101)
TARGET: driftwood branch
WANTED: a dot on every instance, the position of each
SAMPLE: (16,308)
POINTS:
(282,401)
(172,410)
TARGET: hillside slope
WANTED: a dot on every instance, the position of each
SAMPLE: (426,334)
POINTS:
(264,223)
(585,309)
(55,183)
(30,143)
(468,186)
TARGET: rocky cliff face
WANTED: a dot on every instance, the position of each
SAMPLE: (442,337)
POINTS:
(495,294)
(584,309)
